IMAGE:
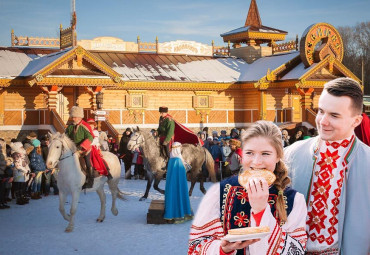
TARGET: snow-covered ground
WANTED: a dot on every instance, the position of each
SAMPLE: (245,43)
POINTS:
(38,227)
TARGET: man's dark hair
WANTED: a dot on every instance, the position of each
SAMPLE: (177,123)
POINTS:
(347,87)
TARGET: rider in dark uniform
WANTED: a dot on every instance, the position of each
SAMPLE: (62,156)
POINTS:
(166,130)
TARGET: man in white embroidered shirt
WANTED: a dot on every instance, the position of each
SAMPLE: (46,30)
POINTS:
(332,171)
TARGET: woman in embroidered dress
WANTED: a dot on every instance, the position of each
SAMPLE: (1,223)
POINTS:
(228,205)
(177,202)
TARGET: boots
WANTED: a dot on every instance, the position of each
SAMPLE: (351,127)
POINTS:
(89,179)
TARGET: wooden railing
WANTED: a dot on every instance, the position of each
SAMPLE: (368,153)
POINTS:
(106,126)
(57,121)
(310,116)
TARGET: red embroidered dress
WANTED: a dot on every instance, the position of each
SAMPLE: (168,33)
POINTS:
(226,206)
(326,186)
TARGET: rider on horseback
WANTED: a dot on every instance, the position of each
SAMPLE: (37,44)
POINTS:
(166,131)
(81,134)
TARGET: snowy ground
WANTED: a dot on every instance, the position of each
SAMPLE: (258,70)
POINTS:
(38,228)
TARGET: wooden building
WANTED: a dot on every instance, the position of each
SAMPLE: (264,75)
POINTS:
(202,85)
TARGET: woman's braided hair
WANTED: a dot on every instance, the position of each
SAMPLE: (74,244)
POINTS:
(270,131)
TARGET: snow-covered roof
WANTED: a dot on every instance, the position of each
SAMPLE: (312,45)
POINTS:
(154,67)
(297,72)
(13,61)
(39,63)
(168,67)
(259,68)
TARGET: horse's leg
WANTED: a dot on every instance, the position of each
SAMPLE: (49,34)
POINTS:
(192,181)
(75,198)
(148,185)
(102,197)
(113,186)
(201,184)
(62,201)
(155,185)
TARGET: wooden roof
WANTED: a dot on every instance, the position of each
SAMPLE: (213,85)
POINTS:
(78,67)
(254,30)
(253,17)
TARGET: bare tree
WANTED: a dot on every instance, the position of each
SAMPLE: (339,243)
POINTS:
(356,41)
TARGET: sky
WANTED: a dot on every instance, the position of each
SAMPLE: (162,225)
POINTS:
(192,20)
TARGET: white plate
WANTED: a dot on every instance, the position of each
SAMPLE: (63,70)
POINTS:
(234,238)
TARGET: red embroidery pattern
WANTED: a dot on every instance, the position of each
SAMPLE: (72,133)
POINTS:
(336,145)
(241,219)
(320,194)
(243,196)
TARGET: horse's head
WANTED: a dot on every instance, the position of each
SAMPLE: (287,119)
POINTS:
(59,144)
(136,140)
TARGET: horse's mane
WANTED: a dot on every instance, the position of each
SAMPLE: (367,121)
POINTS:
(149,136)
(68,144)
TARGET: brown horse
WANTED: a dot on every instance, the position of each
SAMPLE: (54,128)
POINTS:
(155,163)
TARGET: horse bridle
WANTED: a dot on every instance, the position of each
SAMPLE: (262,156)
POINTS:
(136,141)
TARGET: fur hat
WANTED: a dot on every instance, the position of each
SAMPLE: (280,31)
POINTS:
(235,142)
(76,111)
(17,147)
(163,109)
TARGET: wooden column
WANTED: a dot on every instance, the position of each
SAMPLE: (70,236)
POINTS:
(306,101)
(2,107)
(263,105)
(52,93)
(93,91)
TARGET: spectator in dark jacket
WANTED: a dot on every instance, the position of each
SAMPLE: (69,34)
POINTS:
(49,176)
(125,154)
(38,167)
(3,177)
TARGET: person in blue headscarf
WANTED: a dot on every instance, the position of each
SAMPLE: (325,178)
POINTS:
(177,202)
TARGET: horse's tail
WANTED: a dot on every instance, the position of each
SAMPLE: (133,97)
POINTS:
(120,194)
(210,165)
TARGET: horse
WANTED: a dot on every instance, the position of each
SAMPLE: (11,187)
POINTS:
(155,163)
(63,151)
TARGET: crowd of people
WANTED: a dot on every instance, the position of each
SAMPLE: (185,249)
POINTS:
(23,172)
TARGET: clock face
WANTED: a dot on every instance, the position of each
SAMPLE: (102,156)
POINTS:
(318,41)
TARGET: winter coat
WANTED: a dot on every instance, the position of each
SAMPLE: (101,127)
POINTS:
(37,163)
(21,168)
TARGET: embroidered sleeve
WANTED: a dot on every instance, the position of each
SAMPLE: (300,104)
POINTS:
(206,230)
(290,238)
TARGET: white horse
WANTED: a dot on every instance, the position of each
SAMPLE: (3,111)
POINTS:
(70,179)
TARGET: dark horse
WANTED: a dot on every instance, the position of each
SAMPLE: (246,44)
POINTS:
(155,163)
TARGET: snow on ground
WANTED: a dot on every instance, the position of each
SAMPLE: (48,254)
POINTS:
(38,227)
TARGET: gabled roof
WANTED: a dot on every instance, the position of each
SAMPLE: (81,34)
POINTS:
(46,65)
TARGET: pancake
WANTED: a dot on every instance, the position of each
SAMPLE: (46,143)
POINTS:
(246,175)
(249,230)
